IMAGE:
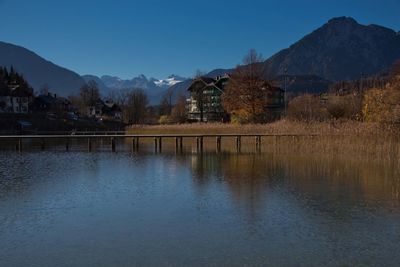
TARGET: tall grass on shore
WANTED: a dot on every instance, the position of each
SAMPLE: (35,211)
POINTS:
(279,127)
(345,139)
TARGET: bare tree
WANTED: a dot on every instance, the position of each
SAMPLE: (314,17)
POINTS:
(198,93)
(165,106)
(178,114)
(246,93)
(136,107)
(119,96)
(89,93)
(45,89)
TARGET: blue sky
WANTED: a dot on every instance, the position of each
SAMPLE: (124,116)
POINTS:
(160,37)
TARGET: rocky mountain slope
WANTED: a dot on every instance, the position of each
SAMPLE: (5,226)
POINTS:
(341,49)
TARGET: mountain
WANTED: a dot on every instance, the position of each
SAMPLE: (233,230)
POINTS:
(179,89)
(218,72)
(38,71)
(154,88)
(341,49)
(169,81)
(298,84)
(141,81)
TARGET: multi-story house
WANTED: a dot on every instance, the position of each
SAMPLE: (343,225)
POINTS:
(14,99)
(204,103)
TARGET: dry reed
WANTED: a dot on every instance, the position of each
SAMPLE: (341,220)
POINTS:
(349,139)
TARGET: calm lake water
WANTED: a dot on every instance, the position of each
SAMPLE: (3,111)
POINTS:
(121,209)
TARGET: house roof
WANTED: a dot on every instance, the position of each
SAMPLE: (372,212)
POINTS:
(62,100)
(110,108)
(205,81)
(220,82)
(47,99)
(98,103)
(19,91)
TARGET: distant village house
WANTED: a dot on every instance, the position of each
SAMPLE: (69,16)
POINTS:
(51,103)
(14,99)
(204,103)
(107,110)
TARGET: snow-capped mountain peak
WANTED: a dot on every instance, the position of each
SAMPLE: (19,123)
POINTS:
(142,82)
(169,81)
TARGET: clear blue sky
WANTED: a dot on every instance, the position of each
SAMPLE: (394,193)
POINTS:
(160,37)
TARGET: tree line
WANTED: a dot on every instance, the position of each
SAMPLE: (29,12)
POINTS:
(375,99)
(11,77)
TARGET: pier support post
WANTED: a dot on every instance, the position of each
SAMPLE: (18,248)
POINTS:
(238,144)
(89,145)
(19,145)
(112,144)
(181,144)
(278,144)
(199,143)
(133,145)
(66,144)
(137,144)
(258,144)
(155,144)
(218,140)
(176,144)
(160,144)
(42,144)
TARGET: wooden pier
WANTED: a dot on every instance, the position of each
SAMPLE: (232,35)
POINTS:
(158,140)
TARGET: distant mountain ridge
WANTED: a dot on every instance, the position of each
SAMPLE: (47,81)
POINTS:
(140,81)
(155,88)
(341,49)
(38,71)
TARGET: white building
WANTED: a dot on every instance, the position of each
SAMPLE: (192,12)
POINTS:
(14,99)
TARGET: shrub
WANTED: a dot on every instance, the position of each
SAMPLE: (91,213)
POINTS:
(382,105)
(307,108)
(241,116)
(164,119)
(345,107)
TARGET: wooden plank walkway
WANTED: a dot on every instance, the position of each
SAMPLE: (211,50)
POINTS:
(158,139)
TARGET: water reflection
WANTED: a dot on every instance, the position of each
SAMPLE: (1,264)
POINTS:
(250,175)
(197,209)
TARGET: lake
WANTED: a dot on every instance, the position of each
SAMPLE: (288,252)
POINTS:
(120,209)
